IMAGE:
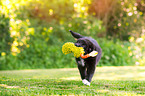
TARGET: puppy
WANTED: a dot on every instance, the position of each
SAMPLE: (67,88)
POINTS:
(87,66)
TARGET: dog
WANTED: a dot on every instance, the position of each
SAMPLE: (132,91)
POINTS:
(87,66)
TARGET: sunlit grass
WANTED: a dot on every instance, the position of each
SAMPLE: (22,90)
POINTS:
(107,81)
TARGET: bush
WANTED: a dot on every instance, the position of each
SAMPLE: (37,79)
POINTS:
(42,55)
(122,18)
(115,53)
(137,48)
(38,30)
(5,38)
(44,10)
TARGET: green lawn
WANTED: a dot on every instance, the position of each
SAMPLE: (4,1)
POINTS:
(112,81)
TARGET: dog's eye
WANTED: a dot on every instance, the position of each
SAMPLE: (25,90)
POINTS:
(90,49)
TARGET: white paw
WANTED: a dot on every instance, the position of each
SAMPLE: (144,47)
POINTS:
(86,82)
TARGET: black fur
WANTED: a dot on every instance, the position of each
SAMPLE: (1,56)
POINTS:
(87,66)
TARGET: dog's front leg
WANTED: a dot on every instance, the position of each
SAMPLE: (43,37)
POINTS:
(82,70)
(81,67)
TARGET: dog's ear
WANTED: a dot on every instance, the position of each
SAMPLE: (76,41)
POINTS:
(76,35)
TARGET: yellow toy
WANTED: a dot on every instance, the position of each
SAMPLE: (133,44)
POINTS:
(69,47)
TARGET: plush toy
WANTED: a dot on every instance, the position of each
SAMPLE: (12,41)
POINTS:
(69,47)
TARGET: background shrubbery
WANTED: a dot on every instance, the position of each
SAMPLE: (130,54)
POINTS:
(32,32)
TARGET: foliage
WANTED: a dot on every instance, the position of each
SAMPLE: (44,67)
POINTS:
(4,35)
(33,31)
(45,10)
(42,55)
(137,48)
(115,53)
(110,81)
(121,18)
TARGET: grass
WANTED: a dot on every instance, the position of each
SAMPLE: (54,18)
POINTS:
(108,81)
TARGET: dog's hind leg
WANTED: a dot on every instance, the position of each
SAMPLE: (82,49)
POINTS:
(90,72)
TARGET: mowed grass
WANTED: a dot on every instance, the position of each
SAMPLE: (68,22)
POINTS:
(107,81)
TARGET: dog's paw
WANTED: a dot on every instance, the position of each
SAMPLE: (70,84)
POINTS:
(86,82)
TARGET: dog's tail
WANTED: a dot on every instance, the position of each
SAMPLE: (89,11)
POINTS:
(76,35)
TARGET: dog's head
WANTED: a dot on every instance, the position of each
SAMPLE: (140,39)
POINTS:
(83,42)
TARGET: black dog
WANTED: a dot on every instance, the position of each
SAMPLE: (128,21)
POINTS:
(87,66)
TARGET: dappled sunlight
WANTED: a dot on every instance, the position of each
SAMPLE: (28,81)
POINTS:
(6,86)
(81,8)
(102,73)
(71,78)
(120,73)
(102,91)
(118,93)
(17,27)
